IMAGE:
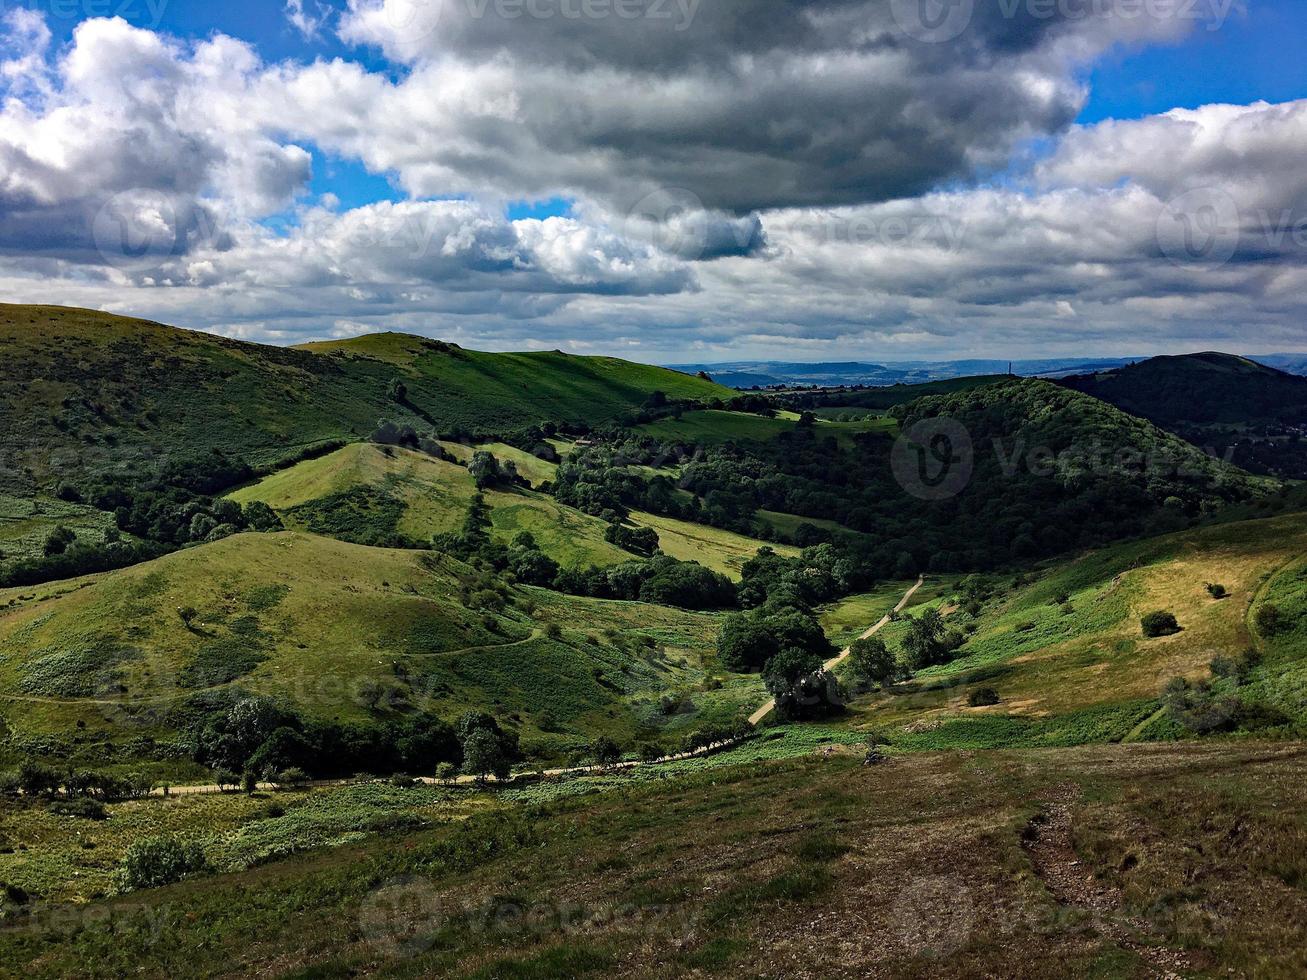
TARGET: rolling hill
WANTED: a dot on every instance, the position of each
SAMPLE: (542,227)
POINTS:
(1229,405)
(1064,649)
(106,670)
(89,392)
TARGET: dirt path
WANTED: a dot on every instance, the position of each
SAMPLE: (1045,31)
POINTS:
(766,709)
(1049,843)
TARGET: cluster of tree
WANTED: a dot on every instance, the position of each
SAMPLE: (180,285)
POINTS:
(177,507)
(1047,471)
(637,540)
(929,642)
(394,434)
(180,505)
(260,736)
(661,580)
(35,779)
(1217,704)
(819,575)
(489,472)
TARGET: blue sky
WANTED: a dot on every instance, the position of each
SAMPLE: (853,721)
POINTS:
(755,181)
(1250,57)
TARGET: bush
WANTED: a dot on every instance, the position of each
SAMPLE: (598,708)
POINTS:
(1269,619)
(983,697)
(1217,591)
(1160,623)
(156,861)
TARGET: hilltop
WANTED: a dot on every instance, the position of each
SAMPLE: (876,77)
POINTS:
(1229,405)
(89,392)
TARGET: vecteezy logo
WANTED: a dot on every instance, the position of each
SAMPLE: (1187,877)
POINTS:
(933,21)
(934,916)
(413,20)
(136,230)
(402,916)
(673,220)
(1201,225)
(934,459)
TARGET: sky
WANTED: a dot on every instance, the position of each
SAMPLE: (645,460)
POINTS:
(667,180)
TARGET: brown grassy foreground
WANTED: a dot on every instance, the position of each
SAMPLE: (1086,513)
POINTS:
(1103,861)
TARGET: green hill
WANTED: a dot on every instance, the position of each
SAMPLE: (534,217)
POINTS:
(105,671)
(1067,655)
(83,391)
(1229,405)
(1200,388)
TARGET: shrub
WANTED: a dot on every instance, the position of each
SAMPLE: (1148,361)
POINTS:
(1217,591)
(1269,619)
(156,861)
(1160,623)
(983,697)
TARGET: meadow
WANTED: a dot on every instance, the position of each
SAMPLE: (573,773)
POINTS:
(928,864)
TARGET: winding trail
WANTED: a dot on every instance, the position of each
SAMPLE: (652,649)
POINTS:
(766,709)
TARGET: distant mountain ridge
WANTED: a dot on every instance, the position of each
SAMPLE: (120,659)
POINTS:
(765,374)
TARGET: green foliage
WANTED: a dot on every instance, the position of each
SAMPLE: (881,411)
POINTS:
(929,642)
(157,861)
(872,662)
(983,697)
(1161,623)
(483,757)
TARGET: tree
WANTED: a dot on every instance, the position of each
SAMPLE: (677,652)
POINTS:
(484,469)
(801,688)
(929,642)
(871,662)
(260,517)
(58,541)
(396,391)
(1160,623)
(187,615)
(983,697)
(606,752)
(446,773)
(249,782)
(482,756)
(224,778)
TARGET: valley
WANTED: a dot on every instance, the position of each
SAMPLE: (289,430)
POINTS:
(362,624)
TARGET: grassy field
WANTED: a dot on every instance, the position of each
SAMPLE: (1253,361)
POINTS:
(722,551)
(1081,669)
(1191,856)
(430,496)
(93,663)
(87,392)
(846,620)
(26,523)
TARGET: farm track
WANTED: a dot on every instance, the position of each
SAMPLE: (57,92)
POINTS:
(834,662)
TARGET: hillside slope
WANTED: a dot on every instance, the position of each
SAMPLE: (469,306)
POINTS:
(1068,658)
(83,391)
(338,632)
(1229,405)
